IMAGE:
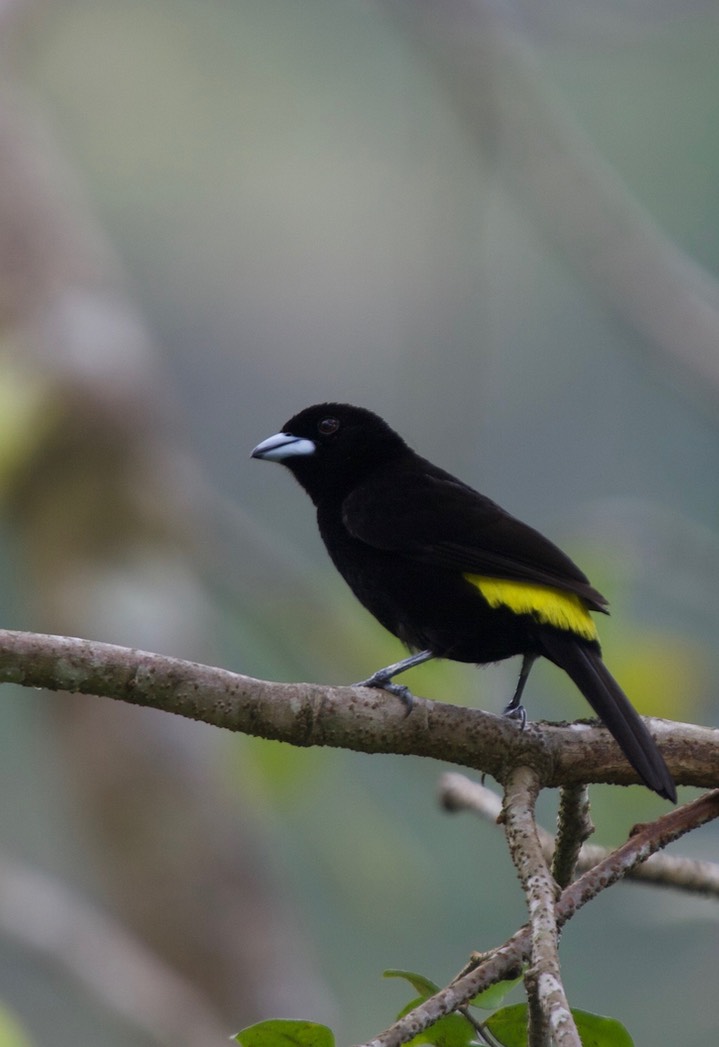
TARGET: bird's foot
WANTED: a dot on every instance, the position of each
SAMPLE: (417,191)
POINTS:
(384,682)
(516,712)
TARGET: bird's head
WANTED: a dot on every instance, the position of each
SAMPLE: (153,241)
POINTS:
(331,447)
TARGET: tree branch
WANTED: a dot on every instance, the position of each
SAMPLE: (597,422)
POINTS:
(574,827)
(361,719)
(504,961)
(457,792)
(550,1019)
(369,721)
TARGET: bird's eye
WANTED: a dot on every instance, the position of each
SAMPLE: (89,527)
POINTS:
(328,426)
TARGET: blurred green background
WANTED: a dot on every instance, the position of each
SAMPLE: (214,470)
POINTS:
(212,215)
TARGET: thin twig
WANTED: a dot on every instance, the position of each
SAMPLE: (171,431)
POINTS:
(457,792)
(507,958)
(550,1017)
(574,827)
(479,1027)
(664,870)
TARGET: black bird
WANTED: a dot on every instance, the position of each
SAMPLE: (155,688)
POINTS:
(448,571)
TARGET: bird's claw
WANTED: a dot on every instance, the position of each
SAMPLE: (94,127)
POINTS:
(397,689)
(516,712)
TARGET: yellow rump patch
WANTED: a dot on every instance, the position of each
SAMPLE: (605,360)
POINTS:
(551,606)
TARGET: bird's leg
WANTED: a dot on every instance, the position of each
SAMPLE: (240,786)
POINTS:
(515,710)
(383,677)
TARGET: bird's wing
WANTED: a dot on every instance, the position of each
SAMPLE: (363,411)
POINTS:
(427,515)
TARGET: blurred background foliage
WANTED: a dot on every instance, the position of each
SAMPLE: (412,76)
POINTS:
(211,215)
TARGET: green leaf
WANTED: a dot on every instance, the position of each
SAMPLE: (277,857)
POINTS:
(596,1030)
(451,1031)
(509,1026)
(491,998)
(419,983)
(282,1033)
(488,1000)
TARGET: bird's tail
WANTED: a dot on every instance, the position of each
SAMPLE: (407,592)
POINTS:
(585,667)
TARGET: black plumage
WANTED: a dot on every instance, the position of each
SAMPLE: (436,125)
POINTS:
(448,571)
